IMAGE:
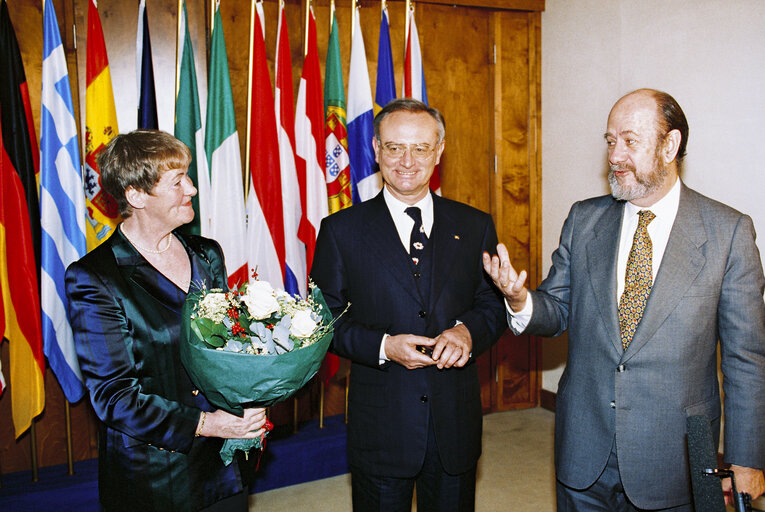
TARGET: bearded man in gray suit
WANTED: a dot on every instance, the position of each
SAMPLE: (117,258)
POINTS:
(647,280)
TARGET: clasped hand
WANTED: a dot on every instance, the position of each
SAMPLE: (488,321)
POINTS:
(451,348)
(228,426)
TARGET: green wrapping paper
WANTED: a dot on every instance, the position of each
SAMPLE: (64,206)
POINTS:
(232,381)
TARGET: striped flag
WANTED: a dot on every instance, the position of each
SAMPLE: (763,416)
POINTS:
(188,129)
(265,214)
(310,151)
(147,98)
(62,207)
(295,273)
(227,215)
(309,146)
(100,128)
(337,162)
(22,147)
(414,83)
(20,322)
(385,89)
(365,176)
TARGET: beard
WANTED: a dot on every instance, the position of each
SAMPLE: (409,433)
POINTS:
(644,185)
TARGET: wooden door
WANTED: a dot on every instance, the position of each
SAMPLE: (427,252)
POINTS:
(482,73)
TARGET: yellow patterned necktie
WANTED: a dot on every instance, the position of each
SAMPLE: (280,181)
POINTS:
(638,279)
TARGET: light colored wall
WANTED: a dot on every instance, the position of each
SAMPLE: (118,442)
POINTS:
(708,54)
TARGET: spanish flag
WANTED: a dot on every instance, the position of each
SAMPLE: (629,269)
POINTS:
(100,128)
(20,313)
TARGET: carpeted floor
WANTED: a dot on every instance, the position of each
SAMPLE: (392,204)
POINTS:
(515,472)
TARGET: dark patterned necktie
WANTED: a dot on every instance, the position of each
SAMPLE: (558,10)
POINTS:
(638,279)
(418,239)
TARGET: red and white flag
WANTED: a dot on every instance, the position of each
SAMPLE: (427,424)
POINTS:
(414,82)
(309,146)
(295,281)
(265,215)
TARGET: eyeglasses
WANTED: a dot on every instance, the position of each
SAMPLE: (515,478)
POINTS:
(419,152)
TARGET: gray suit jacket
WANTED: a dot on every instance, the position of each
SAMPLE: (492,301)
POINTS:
(709,287)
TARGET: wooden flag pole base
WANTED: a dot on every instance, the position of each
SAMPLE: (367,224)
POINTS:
(295,416)
(33,450)
(321,404)
(69,456)
(347,387)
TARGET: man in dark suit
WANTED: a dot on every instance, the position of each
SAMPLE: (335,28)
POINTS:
(421,311)
(647,280)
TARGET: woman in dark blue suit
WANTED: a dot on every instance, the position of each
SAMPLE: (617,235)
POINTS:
(159,441)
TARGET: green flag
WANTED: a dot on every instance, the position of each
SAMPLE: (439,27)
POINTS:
(188,129)
(338,166)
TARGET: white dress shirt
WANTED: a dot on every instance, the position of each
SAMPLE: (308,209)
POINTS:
(665,210)
(404,224)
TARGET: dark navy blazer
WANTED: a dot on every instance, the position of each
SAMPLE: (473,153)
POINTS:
(360,259)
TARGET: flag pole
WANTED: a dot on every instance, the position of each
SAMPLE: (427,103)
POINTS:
(321,403)
(247,148)
(331,14)
(305,33)
(353,18)
(33,449)
(177,59)
(409,8)
(69,456)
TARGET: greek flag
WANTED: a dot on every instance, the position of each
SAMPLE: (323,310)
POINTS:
(62,207)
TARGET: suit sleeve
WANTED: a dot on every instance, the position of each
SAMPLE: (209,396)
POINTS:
(103,338)
(551,299)
(486,319)
(351,339)
(741,324)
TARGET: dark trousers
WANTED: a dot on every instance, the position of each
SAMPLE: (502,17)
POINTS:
(239,502)
(605,495)
(437,491)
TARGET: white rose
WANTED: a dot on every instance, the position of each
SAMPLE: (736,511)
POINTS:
(260,300)
(302,324)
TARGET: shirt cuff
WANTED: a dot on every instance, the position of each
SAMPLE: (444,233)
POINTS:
(520,320)
(382,357)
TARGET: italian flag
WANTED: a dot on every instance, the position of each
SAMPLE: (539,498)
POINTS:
(227,215)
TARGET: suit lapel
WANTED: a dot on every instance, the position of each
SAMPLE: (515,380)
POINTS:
(145,277)
(680,265)
(445,238)
(602,252)
(383,242)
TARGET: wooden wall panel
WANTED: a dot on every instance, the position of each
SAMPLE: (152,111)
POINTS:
(516,138)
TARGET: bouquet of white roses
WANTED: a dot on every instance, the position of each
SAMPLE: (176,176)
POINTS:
(252,346)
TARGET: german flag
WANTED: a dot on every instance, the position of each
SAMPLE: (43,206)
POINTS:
(19,235)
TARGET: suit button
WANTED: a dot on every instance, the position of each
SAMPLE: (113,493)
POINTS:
(422,314)
(621,368)
(613,405)
(416,275)
(424,398)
